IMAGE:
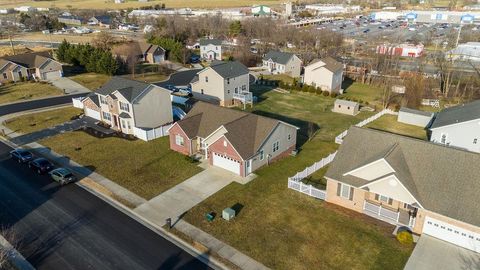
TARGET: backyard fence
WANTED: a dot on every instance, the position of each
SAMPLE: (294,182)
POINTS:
(315,167)
(339,138)
(151,134)
(307,189)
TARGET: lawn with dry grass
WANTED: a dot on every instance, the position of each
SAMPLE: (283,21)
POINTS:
(40,120)
(285,229)
(90,80)
(22,91)
(145,168)
(390,124)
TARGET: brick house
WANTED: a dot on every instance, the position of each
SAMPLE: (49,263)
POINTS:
(426,187)
(230,139)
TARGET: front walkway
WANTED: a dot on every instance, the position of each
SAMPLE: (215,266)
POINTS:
(176,201)
(434,254)
(69,86)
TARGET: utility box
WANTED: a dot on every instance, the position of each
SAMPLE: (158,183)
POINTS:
(228,213)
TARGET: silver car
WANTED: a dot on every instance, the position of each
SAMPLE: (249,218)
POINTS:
(62,175)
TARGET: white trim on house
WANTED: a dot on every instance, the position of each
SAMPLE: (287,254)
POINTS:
(223,136)
(456,124)
(367,165)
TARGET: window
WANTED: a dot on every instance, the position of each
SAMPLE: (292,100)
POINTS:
(236,90)
(20,74)
(244,87)
(275,146)
(228,81)
(103,100)
(201,91)
(348,108)
(383,198)
(345,191)
(289,137)
(443,139)
(206,78)
(128,123)
(475,141)
(179,140)
(225,143)
(5,75)
(123,123)
(339,106)
(262,155)
(124,106)
(106,116)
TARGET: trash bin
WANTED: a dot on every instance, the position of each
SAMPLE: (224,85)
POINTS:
(210,216)
(228,213)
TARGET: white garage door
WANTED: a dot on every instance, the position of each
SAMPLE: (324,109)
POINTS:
(226,163)
(453,234)
(92,113)
(51,75)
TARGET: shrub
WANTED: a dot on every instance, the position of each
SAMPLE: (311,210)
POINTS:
(326,93)
(366,103)
(405,237)
(333,95)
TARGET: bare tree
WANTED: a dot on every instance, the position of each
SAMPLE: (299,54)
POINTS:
(103,40)
(7,246)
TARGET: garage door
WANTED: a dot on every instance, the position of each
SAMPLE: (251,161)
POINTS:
(453,234)
(226,163)
(51,75)
(92,113)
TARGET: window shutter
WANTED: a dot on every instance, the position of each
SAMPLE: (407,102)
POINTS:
(351,194)
(390,201)
(376,197)
(339,188)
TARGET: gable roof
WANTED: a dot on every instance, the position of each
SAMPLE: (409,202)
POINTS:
(245,131)
(457,114)
(136,48)
(278,57)
(105,19)
(29,60)
(346,102)
(413,111)
(213,41)
(442,179)
(229,69)
(330,64)
(130,89)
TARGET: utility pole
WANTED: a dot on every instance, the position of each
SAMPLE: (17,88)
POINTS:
(11,43)
(458,36)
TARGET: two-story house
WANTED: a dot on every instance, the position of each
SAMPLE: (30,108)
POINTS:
(131,107)
(458,126)
(282,63)
(211,49)
(37,65)
(140,51)
(234,140)
(325,73)
(408,182)
(223,83)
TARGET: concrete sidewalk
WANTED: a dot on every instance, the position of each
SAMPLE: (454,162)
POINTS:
(156,210)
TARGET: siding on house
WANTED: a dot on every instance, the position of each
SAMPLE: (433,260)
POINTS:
(465,135)
(186,148)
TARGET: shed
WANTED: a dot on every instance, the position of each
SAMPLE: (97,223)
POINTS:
(414,117)
(346,107)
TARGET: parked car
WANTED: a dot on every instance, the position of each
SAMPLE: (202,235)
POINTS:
(40,165)
(62,176)
(21,155)
(194,58)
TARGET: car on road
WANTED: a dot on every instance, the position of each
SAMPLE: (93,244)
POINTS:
(62,176)
(40,165)
(21,155)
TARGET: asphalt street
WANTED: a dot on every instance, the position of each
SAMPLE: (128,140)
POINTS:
(69,228)
(37,104)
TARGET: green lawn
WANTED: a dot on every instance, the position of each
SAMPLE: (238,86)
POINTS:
(285,229)
(389,123)
(279,77)
(363,92)
(145,168)
(90,80)
(36,121)
(150,77)
(17,92)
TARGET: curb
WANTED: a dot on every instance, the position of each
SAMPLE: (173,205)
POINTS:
(203,257)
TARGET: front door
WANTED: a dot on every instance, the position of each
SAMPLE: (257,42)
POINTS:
(115,120)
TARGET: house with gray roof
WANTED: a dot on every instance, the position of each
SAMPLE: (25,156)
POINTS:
(429,188)
(26,66)
(325,73)
(131,107)
(211,49)
(234,140)
(458,126)
(223,83)
(282,63)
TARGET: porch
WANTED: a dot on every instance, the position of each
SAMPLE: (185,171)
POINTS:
(398,216)
(244,97)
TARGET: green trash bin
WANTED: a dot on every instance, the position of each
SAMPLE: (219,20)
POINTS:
(210,216)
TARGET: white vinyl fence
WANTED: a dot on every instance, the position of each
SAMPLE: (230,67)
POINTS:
(295,182)
(150,134)
(339,138)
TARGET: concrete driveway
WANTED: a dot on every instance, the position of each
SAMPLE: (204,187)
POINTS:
(432,253)
(176,201)
(69,86)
